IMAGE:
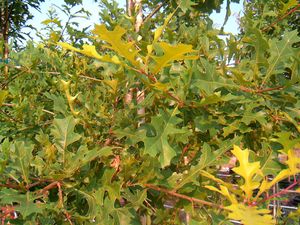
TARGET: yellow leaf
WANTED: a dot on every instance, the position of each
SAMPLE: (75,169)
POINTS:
(114,38)
(113,84)
(54,36)
(212,177)
(159,30)
(266,185)
(247,170)
(3,95)
(293,163)
(90,50)
(157,34)
(289,4)
(171,53)
(250,215)
(160,86)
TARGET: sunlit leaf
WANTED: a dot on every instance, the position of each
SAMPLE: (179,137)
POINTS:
(171,53)
(247,170)
(114,39)
(249,215)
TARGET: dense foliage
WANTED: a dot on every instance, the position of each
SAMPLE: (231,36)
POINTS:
(133,127)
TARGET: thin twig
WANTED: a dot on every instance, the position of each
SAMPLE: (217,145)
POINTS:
(283,191)
(91,78)
(13,105)
(281,18)
(154,11)
(258,91)
(191,199)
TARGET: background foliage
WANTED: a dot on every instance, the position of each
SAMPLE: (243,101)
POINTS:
(133,127)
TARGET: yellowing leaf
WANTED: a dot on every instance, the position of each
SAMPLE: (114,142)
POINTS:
(114,38)
(157,34)
(247,170)
(113,84)
(288,5)
(171,53)
(3,95)
(293,162)
(224,191)
(266,185)
(212,177)
(160,29)
(160,86)
(250,215)
(90,50)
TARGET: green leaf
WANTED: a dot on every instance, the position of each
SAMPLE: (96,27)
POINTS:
(186,5)
(284,138)
(22,158)
(84,156)
(208,158)
(165,126)
(281,53)
(287,5)
(63,132)
(260,43)
(208,79)
(23,203)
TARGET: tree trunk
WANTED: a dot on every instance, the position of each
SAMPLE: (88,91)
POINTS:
(4,22)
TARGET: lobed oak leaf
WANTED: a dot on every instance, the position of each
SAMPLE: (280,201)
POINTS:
(171,53)
(90,50)
(114,38)
(249,215)
(247,170)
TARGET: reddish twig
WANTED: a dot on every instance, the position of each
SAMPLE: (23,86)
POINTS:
(281,18)
(184,150)
(68,216)
(190,199)
(283,191)
(7,212)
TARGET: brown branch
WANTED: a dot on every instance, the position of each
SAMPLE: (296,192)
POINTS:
(281,18)
(269,89)
(190,199)
(159,6)
(13,186)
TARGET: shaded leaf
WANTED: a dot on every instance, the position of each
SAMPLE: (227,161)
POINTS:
(63,132)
